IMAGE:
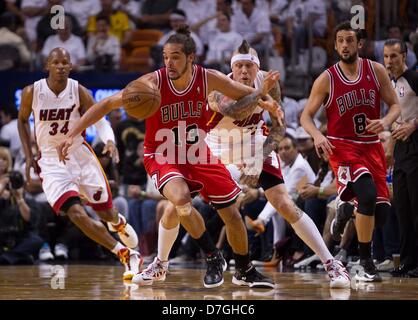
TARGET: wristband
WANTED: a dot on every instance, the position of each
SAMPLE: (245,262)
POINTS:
(321,191)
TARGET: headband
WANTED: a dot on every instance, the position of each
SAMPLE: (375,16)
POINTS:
(177,16)
(246,57)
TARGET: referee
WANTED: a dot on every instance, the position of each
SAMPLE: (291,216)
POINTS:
(405,173)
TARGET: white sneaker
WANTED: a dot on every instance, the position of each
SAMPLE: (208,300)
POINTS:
(338,274)
(156,271)
(45,253)
(61,251)
(132,261)
(126,233)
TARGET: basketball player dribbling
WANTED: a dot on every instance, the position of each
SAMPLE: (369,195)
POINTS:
(350,91)
(248,121)
(57,103)
(184,88)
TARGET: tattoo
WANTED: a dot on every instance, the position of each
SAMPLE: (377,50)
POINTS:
(237,110)
(299,212)
(278,128)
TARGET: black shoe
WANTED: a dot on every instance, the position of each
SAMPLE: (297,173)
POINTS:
(252,278)
(413,273)
(216,265)
(369,272)
(402,270)
(343,214)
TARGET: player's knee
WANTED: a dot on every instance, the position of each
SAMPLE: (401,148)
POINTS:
(231,215)
(366,194)
(381,214)
(184,210)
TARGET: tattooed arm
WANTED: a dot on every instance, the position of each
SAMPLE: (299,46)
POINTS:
(237,110)
(278,128)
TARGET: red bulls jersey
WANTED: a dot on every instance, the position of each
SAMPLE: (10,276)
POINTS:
(180,119)
(351,102)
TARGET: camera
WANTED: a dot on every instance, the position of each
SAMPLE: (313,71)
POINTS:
(16,180)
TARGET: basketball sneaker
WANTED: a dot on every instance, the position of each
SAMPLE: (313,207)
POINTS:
(156,271)
(126,233)
(369,272)
(343,214)
(337,273)
(132,261)
(216,265)
(252,278)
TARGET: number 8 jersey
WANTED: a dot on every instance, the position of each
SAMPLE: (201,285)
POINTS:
(350,102)
(54,115)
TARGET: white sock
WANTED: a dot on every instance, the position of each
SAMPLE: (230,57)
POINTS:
(306,229)
(166,239)
(117,247)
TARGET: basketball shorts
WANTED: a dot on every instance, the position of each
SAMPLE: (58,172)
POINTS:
(82,176)
(350,160)
(212,181)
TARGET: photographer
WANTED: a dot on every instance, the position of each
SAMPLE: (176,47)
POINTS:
(18,242)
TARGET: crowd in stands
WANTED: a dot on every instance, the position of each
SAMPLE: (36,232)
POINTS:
(127,35)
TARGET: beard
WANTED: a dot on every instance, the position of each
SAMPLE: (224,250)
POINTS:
(350,59)
(180,74)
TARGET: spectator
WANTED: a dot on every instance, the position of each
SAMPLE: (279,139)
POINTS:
(178,19)
(70,42)
(103,49)
(33,10)
(223,44)
(82,10)
(155,14)
(253,24)
(119,22)
(19,244)
(306,147)
(131,8)
(9,135)
(44,30)
(201,16)
(8,36)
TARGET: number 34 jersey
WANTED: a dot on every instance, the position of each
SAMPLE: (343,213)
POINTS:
(351,102)
(55,115)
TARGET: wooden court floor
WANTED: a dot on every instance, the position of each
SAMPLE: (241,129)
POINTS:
(92,282)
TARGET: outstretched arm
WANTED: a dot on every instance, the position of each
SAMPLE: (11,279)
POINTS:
(222,100)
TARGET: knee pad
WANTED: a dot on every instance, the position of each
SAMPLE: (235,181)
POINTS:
(365,191)
(381,214)
(184,210)
(69,203)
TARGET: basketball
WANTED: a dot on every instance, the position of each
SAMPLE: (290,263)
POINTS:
(141,99)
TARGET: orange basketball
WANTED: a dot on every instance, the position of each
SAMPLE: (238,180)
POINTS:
(141,99)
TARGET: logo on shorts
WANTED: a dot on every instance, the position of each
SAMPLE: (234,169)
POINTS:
(401,91)
(344,175)
(97,195)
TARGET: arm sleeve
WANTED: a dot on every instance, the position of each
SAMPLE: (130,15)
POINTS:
(105,131)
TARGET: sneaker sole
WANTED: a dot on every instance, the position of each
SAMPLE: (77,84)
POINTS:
(252,285)
(340,285)
(365,279)
(214,285)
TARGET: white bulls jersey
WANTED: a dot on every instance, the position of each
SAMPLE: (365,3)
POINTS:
(55,115)
(236,141)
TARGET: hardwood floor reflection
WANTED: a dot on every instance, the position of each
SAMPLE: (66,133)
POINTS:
(105,282)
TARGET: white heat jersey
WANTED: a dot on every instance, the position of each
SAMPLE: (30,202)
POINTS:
(237,141)
(55,115)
